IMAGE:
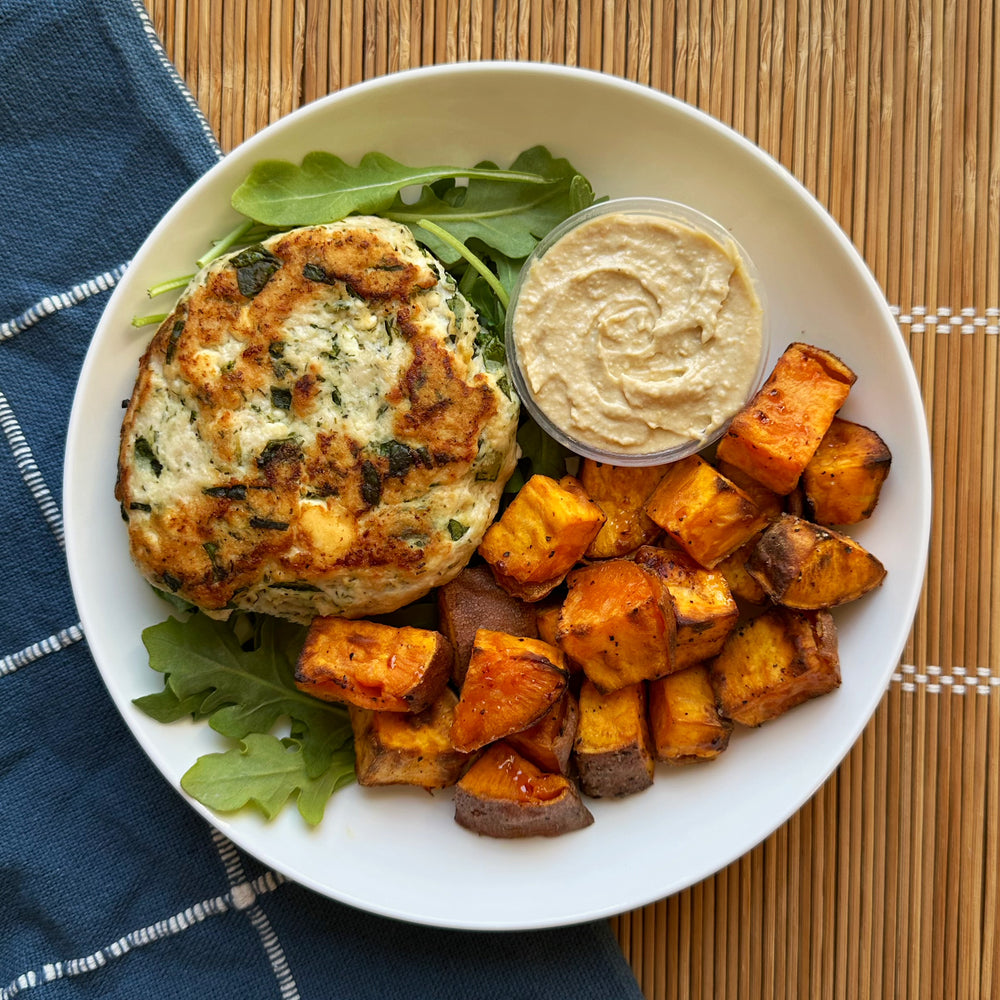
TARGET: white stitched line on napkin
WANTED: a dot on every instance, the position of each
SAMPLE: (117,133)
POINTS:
(245,899)
(61,300)
(63,638)
(175,77)
(190,917)
(966,320)
(30,473)
(958,680)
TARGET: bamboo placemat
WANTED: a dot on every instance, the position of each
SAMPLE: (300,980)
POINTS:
(886,882)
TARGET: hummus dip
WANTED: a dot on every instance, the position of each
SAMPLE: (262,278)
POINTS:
(637,334)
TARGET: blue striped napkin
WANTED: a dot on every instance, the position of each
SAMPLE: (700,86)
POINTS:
(110,885)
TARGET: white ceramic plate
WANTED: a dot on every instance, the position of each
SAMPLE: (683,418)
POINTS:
(399,852)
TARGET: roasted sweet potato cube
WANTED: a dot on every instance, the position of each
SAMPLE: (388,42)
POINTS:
(549,742)
(741,584)
(541,536)
(704,609)
(770,503)
(504,795)
(804,565)
(775,435)
(707,514)
(613,750)
(512,681)
(474,600)
(407,748)
(621,492)
(842,481)
(547,620)
(624,530)
(684,718)
(372,665)
(774,662)
(617,624)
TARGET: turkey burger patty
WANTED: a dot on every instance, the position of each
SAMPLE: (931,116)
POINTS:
(314,430)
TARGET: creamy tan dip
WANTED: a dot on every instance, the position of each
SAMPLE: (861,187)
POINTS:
(636,334)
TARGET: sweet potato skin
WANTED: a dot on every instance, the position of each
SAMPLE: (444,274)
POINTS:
(684,719)
(803,565)
(512,681)
(407,748)
(504,795)
(773,438)
(705,513)
(372,665)
(474,600)
(617,623)
(541,535)
(843,480)
(774,662)
(613,748)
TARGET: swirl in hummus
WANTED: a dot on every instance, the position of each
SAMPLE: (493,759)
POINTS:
(638,333)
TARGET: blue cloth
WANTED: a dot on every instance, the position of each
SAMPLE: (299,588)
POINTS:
(110,885)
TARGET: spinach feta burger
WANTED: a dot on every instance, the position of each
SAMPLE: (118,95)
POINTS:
(314,429)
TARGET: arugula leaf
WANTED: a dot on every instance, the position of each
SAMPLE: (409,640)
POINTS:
(489,309)
(508,217)
(322,748)
(241,690)
(508,271)
(266,771)
(490,312)
(165,706)
(435,231)
(325,188)
(540,454)
(177,603)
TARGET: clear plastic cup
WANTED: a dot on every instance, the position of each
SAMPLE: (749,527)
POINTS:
(672,212)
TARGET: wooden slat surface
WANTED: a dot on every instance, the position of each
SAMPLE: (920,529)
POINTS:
(886,882)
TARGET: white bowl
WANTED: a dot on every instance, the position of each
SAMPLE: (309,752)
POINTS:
(398,852)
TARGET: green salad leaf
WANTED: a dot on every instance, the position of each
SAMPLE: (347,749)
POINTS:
(541,455)
(325,188)
(165,706)
(505,217)
(266,772)
(239,676)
